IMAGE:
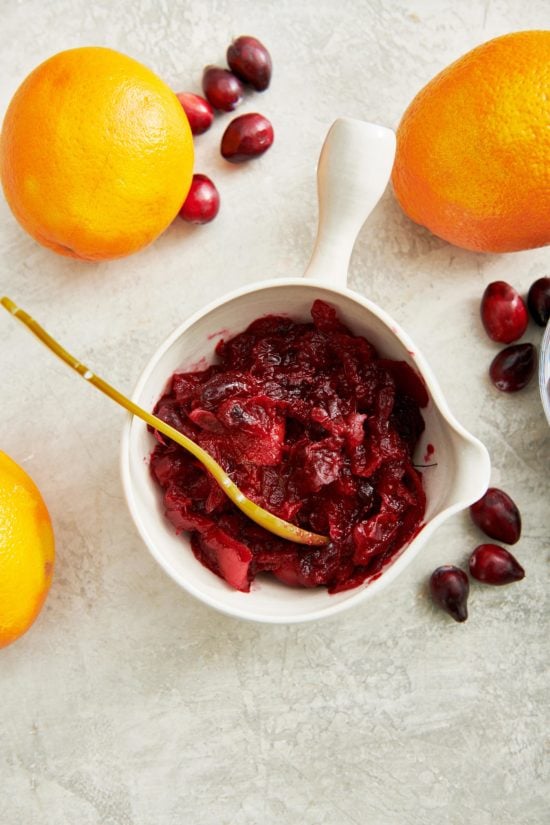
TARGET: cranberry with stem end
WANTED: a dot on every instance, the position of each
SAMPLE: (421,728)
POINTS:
(503,312)
(497,515)
(492,564)
(449,588)
(538,301)
(513,367)
(202,203)
(222,89)
(200,113)
(250,61)
(246,137)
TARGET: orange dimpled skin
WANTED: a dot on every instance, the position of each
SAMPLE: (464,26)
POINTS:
(473,148)
(26,551)
(96,154)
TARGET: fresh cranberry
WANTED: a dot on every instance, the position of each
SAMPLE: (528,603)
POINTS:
(497,515)
(503,312)
(222,89)
(512,368)
(449,587)
(246,137)
(203,201)
(492,564)
(538,301)
(200,113)
(250,61)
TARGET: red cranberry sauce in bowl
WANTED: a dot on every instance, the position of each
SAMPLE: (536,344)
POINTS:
(314,425)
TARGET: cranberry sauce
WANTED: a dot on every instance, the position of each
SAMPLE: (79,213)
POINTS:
(313,425)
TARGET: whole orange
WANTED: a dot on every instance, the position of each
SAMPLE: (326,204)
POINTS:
(96,154)
(26,551)
(473,148)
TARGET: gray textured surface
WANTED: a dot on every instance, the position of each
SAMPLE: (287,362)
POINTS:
(129,703)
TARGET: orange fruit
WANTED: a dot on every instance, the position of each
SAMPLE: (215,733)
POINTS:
(473,150)
(96,154)
(26,551)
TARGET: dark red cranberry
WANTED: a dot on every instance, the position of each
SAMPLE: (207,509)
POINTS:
(449,587)
(222,89)
(512,368)
(203,201)
(497,515)
(538,301)
(503,312)
(246,137)
(492,564)
(200,113)
(250,61)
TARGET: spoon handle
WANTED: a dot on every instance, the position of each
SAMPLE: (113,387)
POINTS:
(354,168)
(270,522)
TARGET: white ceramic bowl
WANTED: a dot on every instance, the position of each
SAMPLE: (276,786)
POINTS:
(353,171)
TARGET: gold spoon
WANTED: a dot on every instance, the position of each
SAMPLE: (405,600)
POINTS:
(267,520)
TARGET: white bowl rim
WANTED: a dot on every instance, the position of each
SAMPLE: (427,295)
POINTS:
(544,372)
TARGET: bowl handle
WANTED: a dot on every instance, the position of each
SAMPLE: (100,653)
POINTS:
(354,168)
(472,478)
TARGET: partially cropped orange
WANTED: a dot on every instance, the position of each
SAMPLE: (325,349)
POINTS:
(473,148)
(26,551)
(96,154)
